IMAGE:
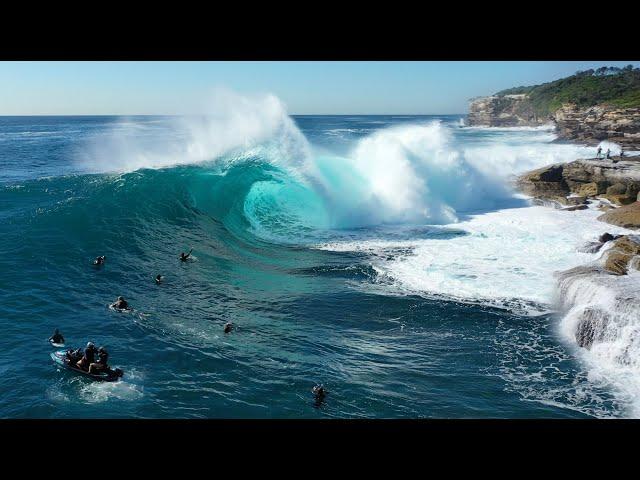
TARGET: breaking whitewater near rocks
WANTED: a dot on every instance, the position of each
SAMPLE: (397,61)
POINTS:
(601,300)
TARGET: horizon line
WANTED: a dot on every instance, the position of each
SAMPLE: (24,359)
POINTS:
(203,114)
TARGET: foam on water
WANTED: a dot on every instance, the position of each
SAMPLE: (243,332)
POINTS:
(503,257)
(602,312)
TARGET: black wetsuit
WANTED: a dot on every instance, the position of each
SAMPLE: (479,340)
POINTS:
(89,355)
(74,355)
(57,338)
(103,358)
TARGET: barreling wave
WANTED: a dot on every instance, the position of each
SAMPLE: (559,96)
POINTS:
(250,167)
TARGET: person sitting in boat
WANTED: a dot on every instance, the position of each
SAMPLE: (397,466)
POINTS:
(184,256)
(99,260)
(74,355)
(88,358)
(101,364)
(120,304)
(56,337)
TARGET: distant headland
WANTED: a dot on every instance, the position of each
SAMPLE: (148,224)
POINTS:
(589,107)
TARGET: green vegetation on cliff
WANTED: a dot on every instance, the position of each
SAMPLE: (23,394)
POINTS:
(606,85)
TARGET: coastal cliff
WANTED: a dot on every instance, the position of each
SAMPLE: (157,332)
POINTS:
(587,107)
(503,111)
(602,122)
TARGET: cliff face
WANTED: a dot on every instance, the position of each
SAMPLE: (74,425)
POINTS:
(591,125)
(503,111)
(586,125)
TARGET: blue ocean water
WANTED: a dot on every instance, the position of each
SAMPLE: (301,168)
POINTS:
(293,226)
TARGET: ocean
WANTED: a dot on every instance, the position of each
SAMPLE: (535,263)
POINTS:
(386,257)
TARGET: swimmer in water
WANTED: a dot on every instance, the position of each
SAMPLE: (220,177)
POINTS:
(100,260)
(319,393)
(159,279)
(120,304)
(56,337)
(184,256)
(228,327)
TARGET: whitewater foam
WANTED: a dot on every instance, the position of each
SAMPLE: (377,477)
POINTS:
(601,315)
(505,258)
(231,123)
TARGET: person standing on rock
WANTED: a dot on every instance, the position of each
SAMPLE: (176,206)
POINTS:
(598,152)
(608,154)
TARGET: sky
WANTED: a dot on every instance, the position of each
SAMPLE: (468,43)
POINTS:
(306,88)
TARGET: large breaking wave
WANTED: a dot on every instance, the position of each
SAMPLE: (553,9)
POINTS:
(258,163)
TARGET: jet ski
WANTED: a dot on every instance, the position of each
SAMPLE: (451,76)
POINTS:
(110,375)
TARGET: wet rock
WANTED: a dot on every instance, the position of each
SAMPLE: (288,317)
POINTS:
(591,327)
(588,189)
(618,258)
(627,216)
(546,182)
(576,200)
(617,189)
(607,237)
(575,207)
(591,247)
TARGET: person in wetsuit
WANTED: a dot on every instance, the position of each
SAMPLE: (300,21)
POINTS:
(88,358)
(319,394)
(159,279)
(56,337)
(599,152)
(120,304)
(101,364)
(99,260)
(74,355)
(184,256)
(228,327)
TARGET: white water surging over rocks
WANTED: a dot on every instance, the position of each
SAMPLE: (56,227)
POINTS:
(602,315)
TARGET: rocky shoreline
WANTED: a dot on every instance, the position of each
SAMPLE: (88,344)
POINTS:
(600,299)
(586,125)
(612,183)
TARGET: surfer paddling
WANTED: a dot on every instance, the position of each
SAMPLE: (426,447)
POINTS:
(56,337)
(120,304)
(185,256)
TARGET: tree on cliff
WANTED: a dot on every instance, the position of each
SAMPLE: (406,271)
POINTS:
(615,86)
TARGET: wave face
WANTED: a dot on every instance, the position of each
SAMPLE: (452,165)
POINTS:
(370,253)
(284,188)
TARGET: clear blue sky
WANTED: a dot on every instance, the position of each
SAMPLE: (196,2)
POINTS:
(129,88)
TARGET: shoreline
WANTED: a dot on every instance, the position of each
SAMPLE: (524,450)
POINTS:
(600,300)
